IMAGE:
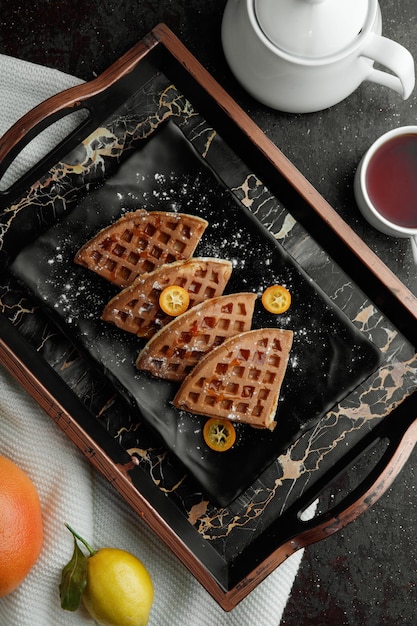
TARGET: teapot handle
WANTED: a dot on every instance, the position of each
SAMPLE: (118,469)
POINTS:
(394,57)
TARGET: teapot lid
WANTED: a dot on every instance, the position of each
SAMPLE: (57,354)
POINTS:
(311,28)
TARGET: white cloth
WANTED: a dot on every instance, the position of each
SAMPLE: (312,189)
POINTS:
(72,491)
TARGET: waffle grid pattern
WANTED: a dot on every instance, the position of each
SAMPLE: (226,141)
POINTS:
(136,308)
(139,242)
(175,350)
(241,379)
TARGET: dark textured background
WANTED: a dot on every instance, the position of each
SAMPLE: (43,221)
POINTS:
(365,574)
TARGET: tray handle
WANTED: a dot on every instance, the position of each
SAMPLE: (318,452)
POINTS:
(28,127)
(94,97)
(399,431)
(400,434)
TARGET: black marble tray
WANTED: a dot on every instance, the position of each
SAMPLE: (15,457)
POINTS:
(329,356)
(158,87)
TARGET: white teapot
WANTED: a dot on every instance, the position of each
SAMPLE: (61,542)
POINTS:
(301,56)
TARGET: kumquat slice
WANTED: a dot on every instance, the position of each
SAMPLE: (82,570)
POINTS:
(219,434)
(276,299)
(174,300)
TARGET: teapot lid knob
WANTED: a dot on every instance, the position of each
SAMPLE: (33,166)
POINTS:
(312,28)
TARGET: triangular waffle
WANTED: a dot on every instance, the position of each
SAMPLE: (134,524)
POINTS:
(136,308)
(175,350)
(241,379)
(139,242)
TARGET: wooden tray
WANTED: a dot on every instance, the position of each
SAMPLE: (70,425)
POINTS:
(231,549)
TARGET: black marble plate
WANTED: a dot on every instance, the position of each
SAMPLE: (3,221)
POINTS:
(329,357)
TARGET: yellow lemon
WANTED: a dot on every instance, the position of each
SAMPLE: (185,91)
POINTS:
(119,589)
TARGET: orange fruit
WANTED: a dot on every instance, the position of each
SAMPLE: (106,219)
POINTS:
(21,530)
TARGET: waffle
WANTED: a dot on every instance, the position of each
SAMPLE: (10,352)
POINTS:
(175,350)
(136,308)
(241,379)
(139,242)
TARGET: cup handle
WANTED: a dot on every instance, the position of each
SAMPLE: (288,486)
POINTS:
(414,247)
(395,58)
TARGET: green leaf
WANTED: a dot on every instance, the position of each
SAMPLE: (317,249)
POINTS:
(73,580)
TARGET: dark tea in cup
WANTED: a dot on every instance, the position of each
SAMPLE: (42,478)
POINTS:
(391,180)
(385,184)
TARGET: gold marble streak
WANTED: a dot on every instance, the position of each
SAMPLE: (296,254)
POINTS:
(10,214)
(145,456)
(208,143)
(18,309)
(45,339)
(31,200)
(369,318)
(183,107)
(69,361)
(286,228)
(211,134)
(247,188)
(197,512)
(174,487)
(209,525)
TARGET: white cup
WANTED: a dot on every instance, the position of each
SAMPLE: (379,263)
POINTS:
(385,184)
